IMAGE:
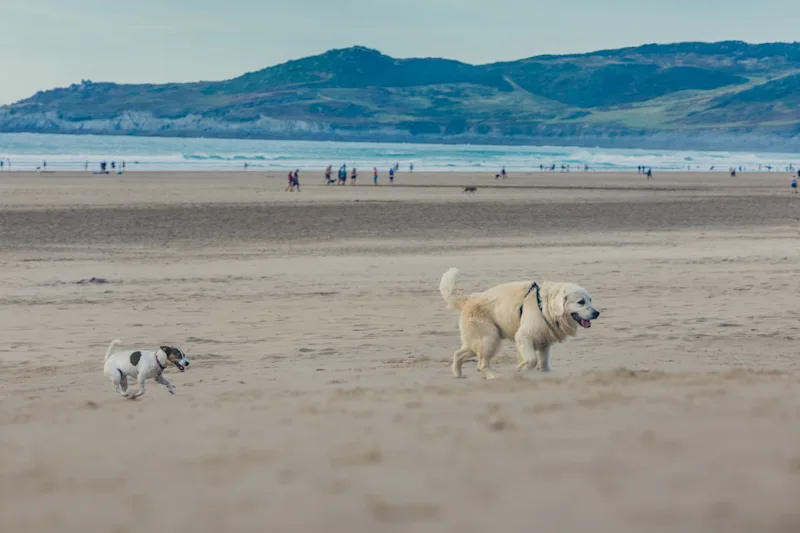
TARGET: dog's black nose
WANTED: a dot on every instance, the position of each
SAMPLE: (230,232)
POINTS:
(187,362)
(596,314)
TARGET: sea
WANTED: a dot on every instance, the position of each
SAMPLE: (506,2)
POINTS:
(27,151)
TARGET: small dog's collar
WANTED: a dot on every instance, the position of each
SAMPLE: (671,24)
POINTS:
(162,367)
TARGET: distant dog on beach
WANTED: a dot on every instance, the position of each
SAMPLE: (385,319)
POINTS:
(141,365)
(472,189)
(534,316)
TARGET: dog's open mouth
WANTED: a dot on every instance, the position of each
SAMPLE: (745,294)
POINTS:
(582,321)
(178,366)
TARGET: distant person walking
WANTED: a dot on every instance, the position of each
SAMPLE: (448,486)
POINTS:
(411,168)
(86,166)
(294,181)
(649,173)
(794,183)
(374,175)
(1,165)
(328,172)
(353,176)
(391,176)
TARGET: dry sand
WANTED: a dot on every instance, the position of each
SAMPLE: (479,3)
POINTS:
(320,396)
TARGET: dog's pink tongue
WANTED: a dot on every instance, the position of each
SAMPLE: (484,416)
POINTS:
(586,323)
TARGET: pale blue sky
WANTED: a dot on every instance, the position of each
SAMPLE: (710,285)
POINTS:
(50,43)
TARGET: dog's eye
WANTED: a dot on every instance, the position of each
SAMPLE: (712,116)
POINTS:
(581,301)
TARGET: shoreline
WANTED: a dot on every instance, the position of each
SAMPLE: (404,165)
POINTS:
(366,175)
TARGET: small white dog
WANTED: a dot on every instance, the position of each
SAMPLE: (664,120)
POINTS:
(142,365)
(534,316)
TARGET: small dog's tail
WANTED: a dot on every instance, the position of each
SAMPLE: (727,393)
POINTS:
(449,292)
(111,348)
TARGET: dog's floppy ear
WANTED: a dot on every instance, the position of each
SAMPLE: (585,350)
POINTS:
(557,301)
(166,350)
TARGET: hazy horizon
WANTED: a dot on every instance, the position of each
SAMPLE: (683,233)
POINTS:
(190,40)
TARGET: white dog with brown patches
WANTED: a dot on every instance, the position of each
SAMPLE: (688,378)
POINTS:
(535,316)
(141,365)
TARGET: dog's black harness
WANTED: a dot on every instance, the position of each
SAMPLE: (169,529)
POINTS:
(533,287)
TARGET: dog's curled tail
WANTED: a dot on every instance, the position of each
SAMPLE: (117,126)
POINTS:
(111,348)
(449,292)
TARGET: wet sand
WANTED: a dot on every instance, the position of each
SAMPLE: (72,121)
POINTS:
(320,396)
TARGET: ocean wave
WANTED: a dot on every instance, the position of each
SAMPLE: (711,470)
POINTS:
(26,151)
(234,157)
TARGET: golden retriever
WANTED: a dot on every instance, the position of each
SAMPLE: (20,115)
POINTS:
(535,316)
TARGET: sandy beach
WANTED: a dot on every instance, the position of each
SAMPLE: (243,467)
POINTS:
(320,396)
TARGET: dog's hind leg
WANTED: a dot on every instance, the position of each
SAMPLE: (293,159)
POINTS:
(489,345)
(480,334)
(161,379)
(121,386)
(461,355)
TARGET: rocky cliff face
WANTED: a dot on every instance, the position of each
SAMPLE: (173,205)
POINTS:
(143,123)
(137,123)
(689,95)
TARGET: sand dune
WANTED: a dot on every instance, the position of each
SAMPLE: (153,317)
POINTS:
(320,397)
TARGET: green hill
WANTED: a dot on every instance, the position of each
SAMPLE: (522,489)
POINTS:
(676,94)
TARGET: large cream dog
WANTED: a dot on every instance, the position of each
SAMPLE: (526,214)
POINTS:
(534,316)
